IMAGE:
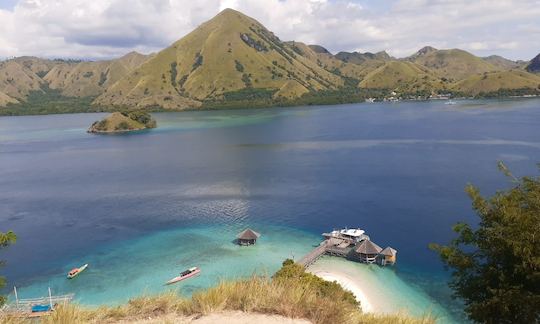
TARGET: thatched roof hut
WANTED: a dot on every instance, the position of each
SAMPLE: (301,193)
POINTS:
(389,255)
(368,251)
(247,237)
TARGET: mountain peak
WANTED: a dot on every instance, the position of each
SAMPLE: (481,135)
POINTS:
(425,50)
(534,65)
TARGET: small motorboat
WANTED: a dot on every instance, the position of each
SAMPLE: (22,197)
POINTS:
(76,271)
(191,272)
(450,102)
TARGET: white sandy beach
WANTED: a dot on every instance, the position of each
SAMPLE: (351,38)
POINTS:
(348,283)
(378,289)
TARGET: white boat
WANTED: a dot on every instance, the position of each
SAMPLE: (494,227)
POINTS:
(191,272)
(450,102)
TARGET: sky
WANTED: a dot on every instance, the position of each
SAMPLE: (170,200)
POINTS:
(96,29)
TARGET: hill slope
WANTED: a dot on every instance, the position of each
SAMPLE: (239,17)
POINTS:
(402,77)
(87,79)
(494,81)
(228,53)
(18,81)
(452,64)
(501,62)
(534,65)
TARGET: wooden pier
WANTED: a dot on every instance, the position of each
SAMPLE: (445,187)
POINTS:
(350,244)
(312,256)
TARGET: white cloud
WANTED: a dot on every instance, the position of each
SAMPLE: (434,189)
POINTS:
(106,28)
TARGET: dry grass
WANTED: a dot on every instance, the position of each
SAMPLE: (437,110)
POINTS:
(290,296)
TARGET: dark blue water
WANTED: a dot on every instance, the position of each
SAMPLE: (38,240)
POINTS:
(397,170)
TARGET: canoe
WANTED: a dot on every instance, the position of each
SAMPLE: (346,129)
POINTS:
(191,272)
(76,271)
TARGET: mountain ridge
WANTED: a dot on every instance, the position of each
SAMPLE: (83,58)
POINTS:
(234,58)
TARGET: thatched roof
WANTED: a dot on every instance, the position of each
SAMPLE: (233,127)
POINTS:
(248,234)
(388,251)
(368,247)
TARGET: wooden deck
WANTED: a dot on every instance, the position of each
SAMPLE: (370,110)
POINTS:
(312,256)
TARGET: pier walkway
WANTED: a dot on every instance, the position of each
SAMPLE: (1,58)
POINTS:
(312,256)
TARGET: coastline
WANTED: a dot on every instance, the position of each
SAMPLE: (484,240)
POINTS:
(379,290)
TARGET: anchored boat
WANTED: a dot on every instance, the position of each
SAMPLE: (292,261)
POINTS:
(76,271)
(191,272)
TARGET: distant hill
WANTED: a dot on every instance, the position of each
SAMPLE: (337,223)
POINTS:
(91,78)
(227,54)
(360,58)
(404,77)
(502,63)
(234,61)
(17,81)
(495,81)
(452,64)
(534,65)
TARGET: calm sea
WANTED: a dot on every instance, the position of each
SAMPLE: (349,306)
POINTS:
(141,207)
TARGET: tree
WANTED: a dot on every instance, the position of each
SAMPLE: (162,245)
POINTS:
(5,240)
(496,267)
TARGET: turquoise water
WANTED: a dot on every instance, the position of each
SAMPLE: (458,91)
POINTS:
(142,266)
(142,207)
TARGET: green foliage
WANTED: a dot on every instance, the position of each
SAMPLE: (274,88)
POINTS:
(496,267)
(239,66)
(198,62)
(102,78)
(249,94)
(123,125)
(6,239)
(174,73)
(51,101)
(295,272)
(140,116)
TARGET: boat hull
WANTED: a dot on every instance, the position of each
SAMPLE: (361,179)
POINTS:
(81,269)
(180,278)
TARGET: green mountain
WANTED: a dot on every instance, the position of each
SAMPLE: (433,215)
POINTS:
(17,81)
(452,64)
(233,60)
(534,65)
(88,79)
(502,63)
(360,58)
(227,54)
(495,81)
(403,77)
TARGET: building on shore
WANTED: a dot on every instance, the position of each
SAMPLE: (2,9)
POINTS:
(352,244)
(388,256)
(367,251)
(247,237)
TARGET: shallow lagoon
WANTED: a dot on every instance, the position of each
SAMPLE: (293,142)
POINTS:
(140,208)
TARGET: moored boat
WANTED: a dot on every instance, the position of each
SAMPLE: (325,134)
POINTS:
(191,272)
(76,271)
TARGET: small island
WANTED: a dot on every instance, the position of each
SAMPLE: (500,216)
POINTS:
(122,122)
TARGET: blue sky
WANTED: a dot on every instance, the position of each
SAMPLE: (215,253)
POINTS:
(109,28)
(7,4)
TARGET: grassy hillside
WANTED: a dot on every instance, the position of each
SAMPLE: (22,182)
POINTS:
(495,81)
(87,79)
(5,100)
(360,58)
(17,81)
(229,53)
(403,77)
(452,64)
(502,63)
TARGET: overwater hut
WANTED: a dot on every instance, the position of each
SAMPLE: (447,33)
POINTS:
(368,251)
(388,256)
(247,237)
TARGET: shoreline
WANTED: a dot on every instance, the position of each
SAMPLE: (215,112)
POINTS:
(379,290)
